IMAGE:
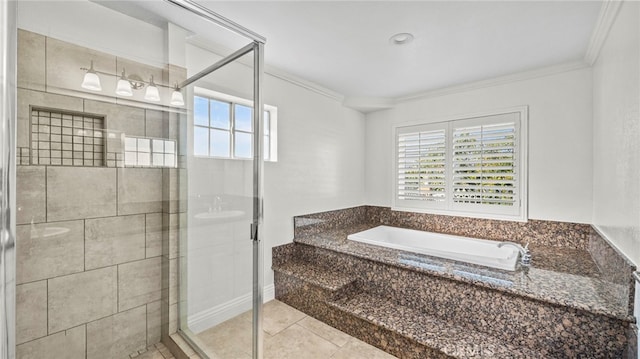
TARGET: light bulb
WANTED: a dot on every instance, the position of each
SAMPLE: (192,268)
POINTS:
(176,97)
(91,80)
(152,93)
(124,87)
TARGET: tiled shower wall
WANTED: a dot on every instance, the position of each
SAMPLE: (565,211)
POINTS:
(96,246)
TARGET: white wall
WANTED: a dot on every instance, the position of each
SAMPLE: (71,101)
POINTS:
(560,139)
(94,26)
(616,103)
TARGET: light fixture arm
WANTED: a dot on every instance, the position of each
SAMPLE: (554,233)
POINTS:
(126,84)
(136,81)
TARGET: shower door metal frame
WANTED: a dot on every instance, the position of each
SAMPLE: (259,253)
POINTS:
(257,48)
(8,88)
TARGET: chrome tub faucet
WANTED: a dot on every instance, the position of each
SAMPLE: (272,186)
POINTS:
(525,254)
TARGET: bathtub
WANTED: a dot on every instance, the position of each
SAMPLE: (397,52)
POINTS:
(470,250)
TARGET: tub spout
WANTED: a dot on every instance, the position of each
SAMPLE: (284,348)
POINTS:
(525,254)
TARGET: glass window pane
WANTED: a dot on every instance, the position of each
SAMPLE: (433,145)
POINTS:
(200,111)
(267,148)
(130,158)
(243,145)
(170,160)
(200,141)
(243,118)
(158,159)
(158,146)
(144,159)
(130,144)
(267,121)
(144,145)
(220,142)
(169,146)
(220,114)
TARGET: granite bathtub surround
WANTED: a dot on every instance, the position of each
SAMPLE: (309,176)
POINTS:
(535,232)
(96,276)
(567,304)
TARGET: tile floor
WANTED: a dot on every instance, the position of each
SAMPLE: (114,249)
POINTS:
(289,334)
(157,351)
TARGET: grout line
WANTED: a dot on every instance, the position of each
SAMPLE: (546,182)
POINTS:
(146,325)
(145,235)
(118,288)
(117,188)
(84,245)
(46,60)
(47,283)
(46,204)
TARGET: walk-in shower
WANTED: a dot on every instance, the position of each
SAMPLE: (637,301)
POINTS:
(133,151)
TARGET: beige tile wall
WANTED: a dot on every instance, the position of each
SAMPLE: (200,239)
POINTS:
(96,272)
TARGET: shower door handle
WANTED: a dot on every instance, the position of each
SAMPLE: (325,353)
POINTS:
(254,231)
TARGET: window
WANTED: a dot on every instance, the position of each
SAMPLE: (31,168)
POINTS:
(223,127)
(149,152)
(473,166)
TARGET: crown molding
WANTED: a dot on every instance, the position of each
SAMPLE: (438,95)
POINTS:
(496,81)
(269,70)
(285,76)
(608,12)
(368,104)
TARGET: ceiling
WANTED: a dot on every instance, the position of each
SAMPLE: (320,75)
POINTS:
(344,45)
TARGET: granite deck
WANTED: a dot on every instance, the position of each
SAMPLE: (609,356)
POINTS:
(562,276)
(574,300)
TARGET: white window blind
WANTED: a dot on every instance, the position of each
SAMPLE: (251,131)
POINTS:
(473,166)
(484,164)
(421,165)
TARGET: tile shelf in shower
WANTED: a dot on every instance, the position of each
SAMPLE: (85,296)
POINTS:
(65,138)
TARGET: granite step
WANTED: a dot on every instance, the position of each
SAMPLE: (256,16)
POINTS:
(323,277)
(447,337)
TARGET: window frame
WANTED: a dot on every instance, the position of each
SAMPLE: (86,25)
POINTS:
(449,207)
(269,134)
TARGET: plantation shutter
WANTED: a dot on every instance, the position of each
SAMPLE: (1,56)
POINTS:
(473,166)
(421,166)
(484,166)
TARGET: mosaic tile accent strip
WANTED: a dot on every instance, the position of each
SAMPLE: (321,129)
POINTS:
(23,156)
(62,138)
(149,152)
(115,159)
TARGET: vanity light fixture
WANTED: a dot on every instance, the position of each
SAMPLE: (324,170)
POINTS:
(176,97)
(91,80)
(126,85)
(152,93)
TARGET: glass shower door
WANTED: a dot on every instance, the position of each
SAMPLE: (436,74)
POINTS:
(7,177)
(114,192)
(220,251)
